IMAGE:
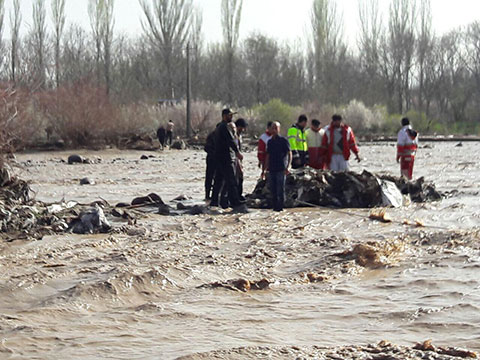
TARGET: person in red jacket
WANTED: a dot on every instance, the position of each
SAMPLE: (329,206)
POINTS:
(262,146)
(407,144)
(337,143)
(314,142)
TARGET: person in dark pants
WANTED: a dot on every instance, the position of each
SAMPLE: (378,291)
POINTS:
(241,128)
(224,199)
(226,153)
(279,160)
(211,164)
(170,127)
(161,135)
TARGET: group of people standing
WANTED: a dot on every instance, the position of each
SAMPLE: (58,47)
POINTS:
(320,148)
(165,136)
(327,148)
(224,173)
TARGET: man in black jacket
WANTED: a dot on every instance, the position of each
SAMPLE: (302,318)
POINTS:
(226,153)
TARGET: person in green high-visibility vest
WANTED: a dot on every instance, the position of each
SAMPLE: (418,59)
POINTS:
(298,142)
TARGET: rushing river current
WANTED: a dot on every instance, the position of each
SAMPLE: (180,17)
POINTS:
(141,294)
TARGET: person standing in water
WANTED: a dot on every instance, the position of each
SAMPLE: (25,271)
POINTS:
(279,161)
(170,127)
(337,144)
(407,144)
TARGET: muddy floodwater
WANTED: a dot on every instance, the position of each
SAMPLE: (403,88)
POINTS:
(145,290)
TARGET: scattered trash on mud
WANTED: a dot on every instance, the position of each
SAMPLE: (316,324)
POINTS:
(90,221)
(242,285)
(77,159)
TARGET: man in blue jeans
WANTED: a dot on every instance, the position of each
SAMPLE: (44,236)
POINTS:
(279,160)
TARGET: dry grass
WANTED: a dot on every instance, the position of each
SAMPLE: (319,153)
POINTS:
(18,124)
(80,114)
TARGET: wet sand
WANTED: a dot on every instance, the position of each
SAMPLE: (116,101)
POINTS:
(142,292)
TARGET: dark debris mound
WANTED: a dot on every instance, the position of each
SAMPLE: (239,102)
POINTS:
(21,216)
(418,190)
(341,190)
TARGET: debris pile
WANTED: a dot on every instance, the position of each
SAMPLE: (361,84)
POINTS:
(344,190)
(21,214)
(15,215)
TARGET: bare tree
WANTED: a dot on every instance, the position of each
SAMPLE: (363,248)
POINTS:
(15,22)
(473,53)
(2,18)
(39,33)
(167,25)
(369,47)
(292,75)
(262,67)
(108,23)
(231,16)
(58,17)
(424,51)
(96,14)
(455,86)
(397,53)
(196,46)
(77,55)
(328,48)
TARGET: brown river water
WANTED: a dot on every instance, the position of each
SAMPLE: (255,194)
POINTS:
(138,294)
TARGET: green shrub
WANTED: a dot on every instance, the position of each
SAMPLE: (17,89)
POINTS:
(362,119)
(276,110)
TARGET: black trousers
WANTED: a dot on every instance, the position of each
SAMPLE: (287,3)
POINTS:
(225,177)
(240,185)
(224,199)
(209,175)
(277,188)
(300,160)
(169,137)
(161,136)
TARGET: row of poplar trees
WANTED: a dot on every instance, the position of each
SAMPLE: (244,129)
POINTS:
(397,59)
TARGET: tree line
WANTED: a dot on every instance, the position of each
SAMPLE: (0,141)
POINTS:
(398,61)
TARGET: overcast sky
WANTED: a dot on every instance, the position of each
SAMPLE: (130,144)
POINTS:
(283,19)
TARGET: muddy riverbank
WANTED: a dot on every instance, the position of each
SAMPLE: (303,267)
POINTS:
(162,287)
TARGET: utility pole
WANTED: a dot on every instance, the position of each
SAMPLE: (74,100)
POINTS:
(189,94)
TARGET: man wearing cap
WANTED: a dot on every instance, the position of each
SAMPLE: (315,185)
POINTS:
(337,143)
(226,153)
(407,144)
(298,142)
(314,142)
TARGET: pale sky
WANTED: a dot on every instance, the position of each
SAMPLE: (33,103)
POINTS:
(286,20)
